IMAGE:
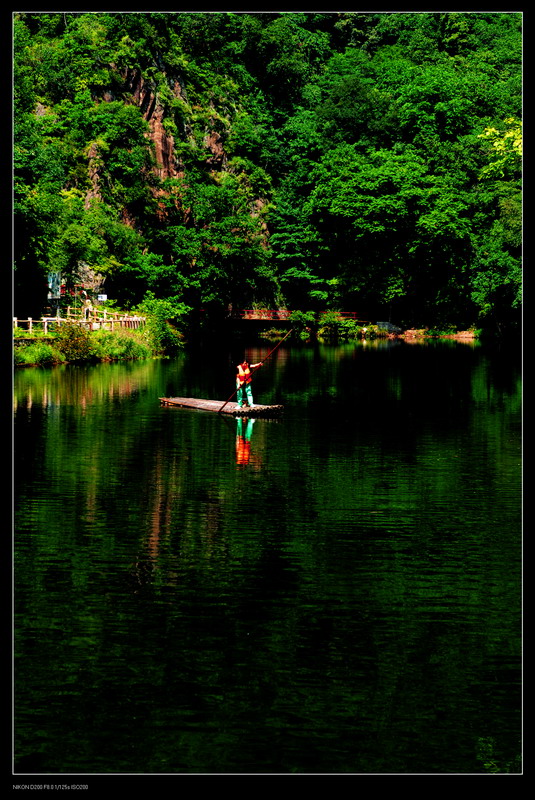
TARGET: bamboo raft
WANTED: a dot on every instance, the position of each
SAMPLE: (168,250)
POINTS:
(219,405)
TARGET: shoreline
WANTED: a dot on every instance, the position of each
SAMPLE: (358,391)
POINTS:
(410,335)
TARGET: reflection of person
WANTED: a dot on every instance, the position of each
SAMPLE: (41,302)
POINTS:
(243,440)
(243,383)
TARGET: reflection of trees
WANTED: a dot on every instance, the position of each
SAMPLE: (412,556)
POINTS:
(73,385)
(335,596)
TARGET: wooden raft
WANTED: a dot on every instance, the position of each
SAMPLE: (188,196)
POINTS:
(215,405)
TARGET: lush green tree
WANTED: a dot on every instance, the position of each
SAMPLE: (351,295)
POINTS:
(396,232)
(505,148)
(288,55)
(357,160)
(496,276)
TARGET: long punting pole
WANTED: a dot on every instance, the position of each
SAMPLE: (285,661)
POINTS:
(254,370)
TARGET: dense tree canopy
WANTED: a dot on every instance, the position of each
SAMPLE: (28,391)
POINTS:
(370,162)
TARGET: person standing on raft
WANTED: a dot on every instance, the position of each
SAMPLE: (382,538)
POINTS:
(243,383)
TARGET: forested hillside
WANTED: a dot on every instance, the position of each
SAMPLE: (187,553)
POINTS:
(215,161)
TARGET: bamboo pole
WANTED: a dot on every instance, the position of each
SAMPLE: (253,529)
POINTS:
(254,370)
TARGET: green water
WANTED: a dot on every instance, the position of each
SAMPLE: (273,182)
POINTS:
(334,592)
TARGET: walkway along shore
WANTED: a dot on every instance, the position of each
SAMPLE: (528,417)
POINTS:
(106,320)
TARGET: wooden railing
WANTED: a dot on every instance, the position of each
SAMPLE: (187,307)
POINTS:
(92,321)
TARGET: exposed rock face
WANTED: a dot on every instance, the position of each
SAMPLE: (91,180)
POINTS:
(93,169)
(142,94)
(164,144)
(137,90)
(214,143)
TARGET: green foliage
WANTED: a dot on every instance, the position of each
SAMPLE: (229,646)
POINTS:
(119,345)
(39,354)
(167,322)
(74,342)
(35,333)
(505,149)
(314,160)
(328,325)
(348,329)
(289,55)
(304,323)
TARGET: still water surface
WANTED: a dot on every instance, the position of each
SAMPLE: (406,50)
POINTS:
(337,591)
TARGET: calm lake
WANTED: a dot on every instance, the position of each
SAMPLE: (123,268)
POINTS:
(336,591)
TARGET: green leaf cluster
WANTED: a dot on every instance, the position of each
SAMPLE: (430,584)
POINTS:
(74,342)
(363,161)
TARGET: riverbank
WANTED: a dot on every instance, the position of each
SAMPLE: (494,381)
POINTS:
(101,346)
(344,330)
(74,344)
(425,334)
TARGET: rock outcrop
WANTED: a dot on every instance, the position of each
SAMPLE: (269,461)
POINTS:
(143,94)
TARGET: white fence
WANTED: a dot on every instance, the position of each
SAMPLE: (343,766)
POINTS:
(91,321)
